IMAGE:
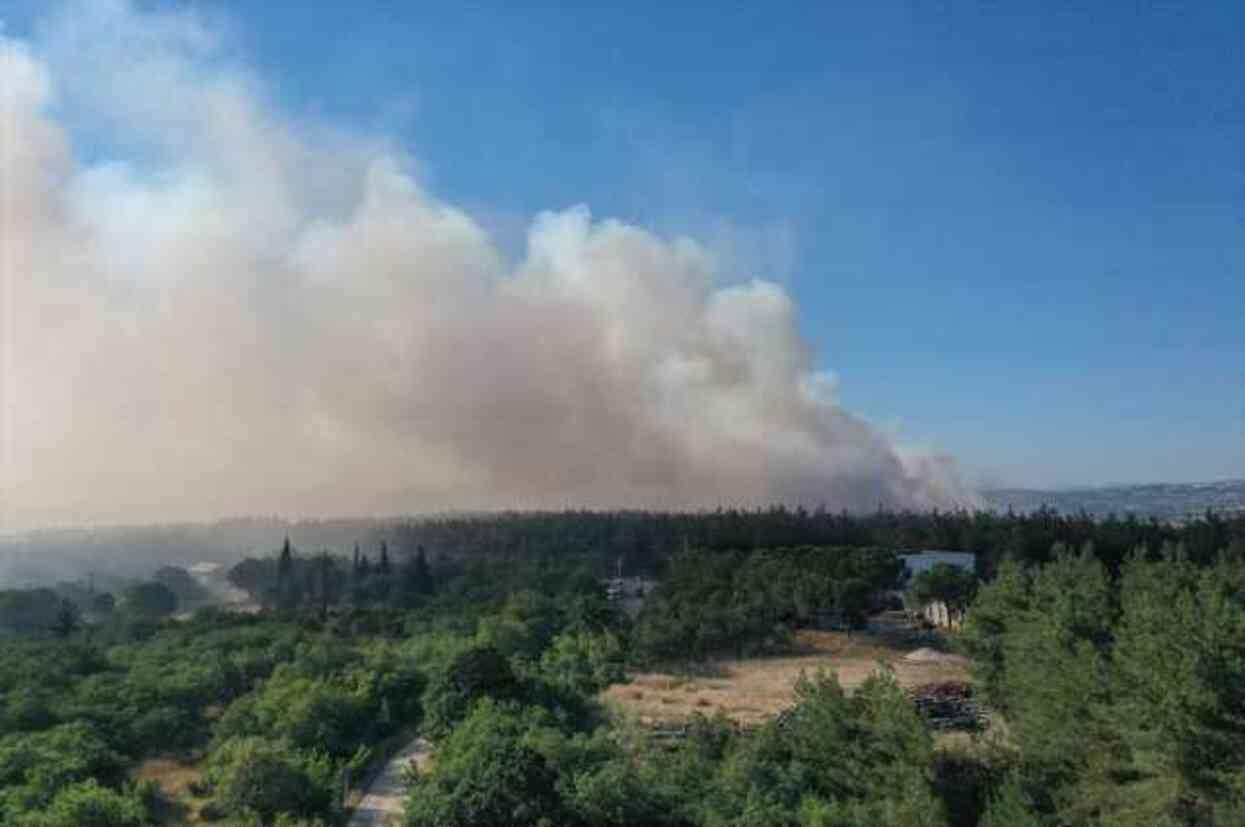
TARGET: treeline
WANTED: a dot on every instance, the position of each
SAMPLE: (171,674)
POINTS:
(71,607)
(644,540)
(289,580)
(738,601)
(455,591)
(706,603)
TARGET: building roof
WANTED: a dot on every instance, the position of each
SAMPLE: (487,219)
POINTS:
(919,561)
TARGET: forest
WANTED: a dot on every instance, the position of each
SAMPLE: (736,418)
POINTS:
(1110,655)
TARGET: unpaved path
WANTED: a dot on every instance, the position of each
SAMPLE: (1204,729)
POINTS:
(382,806)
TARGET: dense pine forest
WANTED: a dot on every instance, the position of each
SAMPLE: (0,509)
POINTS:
(653,536)
(1109,654)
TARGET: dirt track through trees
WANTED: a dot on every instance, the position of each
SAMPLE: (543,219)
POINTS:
(382,805)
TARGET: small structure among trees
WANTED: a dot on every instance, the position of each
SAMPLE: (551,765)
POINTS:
(940,585)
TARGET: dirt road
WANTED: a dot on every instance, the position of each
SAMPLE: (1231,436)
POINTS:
(382,806)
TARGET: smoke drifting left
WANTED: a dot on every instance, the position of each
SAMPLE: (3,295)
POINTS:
(219,309)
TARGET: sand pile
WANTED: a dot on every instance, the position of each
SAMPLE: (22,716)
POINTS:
(927,655)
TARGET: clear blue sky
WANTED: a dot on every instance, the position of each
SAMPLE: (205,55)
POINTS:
(1016,235)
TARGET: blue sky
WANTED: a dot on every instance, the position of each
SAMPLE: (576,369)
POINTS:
(1015,231)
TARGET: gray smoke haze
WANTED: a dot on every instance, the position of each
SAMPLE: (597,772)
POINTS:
(257,314)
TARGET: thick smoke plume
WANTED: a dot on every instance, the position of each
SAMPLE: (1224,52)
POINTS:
(257,314)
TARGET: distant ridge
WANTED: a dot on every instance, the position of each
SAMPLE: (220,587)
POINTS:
(1166,501)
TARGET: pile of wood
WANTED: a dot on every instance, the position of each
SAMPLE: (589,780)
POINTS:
(668,735)
(948,705)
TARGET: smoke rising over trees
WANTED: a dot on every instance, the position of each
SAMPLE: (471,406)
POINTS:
(225,309)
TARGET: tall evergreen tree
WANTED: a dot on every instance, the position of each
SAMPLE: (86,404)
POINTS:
(285,563)
(326,583)
(422,582)
(287,589)
(1180,670)
(1056,682)
(68,619)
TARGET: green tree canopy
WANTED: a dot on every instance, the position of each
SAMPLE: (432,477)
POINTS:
(151,600)
(945,583)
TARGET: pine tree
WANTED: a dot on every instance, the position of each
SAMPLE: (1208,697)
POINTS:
(422,582)
(287,589)
(326,585)
(68,619)
(1180,673)
(1000,606)
(415,581)
(1056,662)
(1010,806)
(285,563)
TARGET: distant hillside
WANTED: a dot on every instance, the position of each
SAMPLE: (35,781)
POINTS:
(1167,501)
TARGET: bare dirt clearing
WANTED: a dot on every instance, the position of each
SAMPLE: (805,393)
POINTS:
(753,690)
(176,804)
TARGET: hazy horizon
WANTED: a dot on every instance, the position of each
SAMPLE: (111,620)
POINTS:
(986,504)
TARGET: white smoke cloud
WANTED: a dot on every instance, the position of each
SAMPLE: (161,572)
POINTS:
(257,314)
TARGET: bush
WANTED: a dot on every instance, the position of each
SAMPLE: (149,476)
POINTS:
(35,767)
(584,662)
(478,672)
(150,600)
(213,811)
(394,679)
(25,710)
(487,774)
(87,804)
(837,759)
(163,728)
(1011,807)
(267,777)
(310,714)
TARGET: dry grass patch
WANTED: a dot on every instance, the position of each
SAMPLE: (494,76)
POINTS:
(173,778)
(753,690)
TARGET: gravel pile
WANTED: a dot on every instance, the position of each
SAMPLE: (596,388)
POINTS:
(927,655)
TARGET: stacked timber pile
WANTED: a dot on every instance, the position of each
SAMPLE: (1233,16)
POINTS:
(668,736)
(948,705)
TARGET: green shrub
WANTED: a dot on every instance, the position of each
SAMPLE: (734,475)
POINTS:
(34,767)
(478,672)
(584,662)
(87,804)
(487,774)
(267,777)
(310,714)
